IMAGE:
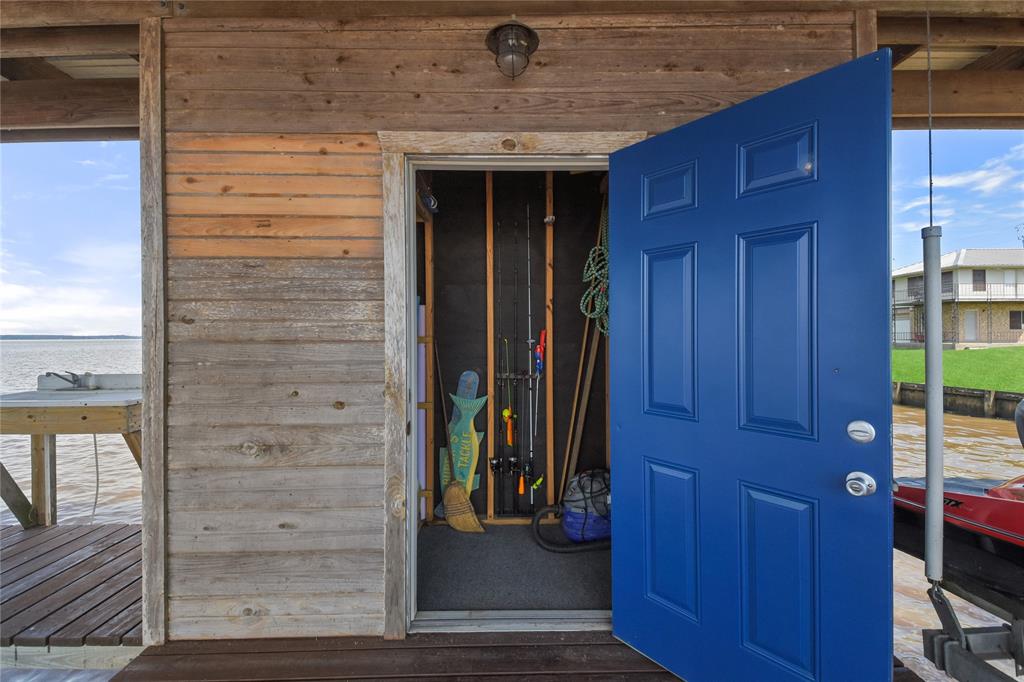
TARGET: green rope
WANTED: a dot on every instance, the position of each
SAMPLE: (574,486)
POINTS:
(594,303)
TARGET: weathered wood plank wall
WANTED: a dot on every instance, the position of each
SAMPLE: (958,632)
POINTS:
(275,276)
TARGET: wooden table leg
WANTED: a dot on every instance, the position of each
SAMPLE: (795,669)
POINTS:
(134,441)
(44,478)
(16,500)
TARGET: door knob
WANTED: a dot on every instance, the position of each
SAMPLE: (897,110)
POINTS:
(860,431)
(860,484)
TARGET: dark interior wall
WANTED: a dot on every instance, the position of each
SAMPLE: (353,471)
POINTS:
(460,323)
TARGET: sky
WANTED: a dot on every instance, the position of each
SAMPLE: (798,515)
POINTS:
(70,243)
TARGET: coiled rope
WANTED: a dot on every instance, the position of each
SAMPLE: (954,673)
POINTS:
(594,303)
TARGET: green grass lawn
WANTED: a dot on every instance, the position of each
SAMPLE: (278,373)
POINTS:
(1000,369)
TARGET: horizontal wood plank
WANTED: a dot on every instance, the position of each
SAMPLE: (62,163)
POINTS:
(358,143)
(315,625)
(274,185)
(237,163)
(233,331)
(224,574)
(290,247)
(281,311)
(959,93)
(84,103)
(433,21)
(276,531)
(69,41)
(264,606)
(347,370)
(42,420)
(273,226)
(254,289)
(258,269)
(231,204)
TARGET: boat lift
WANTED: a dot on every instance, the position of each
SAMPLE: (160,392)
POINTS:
(963,653)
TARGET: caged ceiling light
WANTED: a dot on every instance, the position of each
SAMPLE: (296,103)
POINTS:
(512,44)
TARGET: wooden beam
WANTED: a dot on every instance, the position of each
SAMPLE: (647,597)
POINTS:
(865,33)
(428,348)
(150,115)
(901,53)
(960,123)
(950,32)
(549,324)
(30,69)
(133,440)
(92,103)
(491,368)
(69,135)
(1001,58)
(34,13)
(44,478)
(69,41)
(15,499)
(959,93)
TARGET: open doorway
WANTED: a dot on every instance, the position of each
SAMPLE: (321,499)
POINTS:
(501,265)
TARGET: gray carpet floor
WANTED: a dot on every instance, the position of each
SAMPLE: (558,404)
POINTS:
(504,569)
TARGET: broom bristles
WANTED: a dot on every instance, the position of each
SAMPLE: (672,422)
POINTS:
(458,510)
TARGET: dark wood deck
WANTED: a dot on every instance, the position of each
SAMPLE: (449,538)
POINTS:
(71,586)
(521,656)
(492,655)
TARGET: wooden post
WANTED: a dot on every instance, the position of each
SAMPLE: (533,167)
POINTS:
(865,33)
(44,478)
(16,500)
(134,442)
(491,431)
(428,347)
(549,323)
(154,332)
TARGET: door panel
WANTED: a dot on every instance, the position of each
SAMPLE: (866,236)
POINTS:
(749,325)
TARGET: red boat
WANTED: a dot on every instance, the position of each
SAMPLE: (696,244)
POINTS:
(987,508)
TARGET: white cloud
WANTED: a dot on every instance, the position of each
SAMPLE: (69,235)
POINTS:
(27,309)
(992,175)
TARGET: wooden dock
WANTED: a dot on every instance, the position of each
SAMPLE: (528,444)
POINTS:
(71,586)
(485,655)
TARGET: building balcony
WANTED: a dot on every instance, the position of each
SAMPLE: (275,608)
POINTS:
(963,292)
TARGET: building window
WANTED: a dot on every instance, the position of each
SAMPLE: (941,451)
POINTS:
(915,287)
(947,283)
(978,278)
(1017,319)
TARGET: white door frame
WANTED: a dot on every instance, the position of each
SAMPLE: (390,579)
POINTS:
(403,154)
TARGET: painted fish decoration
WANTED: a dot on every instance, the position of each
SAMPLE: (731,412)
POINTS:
(465,442)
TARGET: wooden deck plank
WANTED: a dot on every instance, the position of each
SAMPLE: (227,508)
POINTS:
(58,582)
(35,572)
(12,544)
(577,659)
(117,629)
(32,626)
(89,585)
(11,531)
(39,544)
(76,632)
(18,568)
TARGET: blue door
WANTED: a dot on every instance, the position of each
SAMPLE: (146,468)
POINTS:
(749,364)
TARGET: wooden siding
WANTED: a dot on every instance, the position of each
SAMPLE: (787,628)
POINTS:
(275,405)
(276,482)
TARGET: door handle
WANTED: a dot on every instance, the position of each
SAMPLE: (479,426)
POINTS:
(860,431)
(860,484)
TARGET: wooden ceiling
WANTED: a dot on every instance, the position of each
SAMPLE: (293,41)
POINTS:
(70,68)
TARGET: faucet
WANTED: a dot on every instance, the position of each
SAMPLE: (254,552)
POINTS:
(75,380)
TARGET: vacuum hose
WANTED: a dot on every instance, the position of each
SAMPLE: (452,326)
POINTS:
(563,547)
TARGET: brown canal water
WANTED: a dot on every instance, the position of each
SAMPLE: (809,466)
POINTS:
(978,448)
(983,448)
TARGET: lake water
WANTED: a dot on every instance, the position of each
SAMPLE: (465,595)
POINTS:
(985,448)
(120,481)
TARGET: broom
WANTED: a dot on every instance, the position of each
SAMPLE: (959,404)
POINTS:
(457,507)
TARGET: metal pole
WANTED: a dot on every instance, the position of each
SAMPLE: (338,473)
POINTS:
(932,237)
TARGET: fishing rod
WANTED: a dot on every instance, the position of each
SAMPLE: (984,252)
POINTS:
(515,466)
(529,361)
(497,462)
